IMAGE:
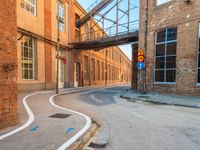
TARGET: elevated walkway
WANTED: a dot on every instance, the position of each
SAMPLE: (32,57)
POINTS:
(96,44)
(101,5)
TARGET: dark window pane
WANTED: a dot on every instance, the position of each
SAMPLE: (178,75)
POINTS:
(199,61)
(171,48)
(170,75)
(171,34)
(198,75)
(25,52)
(159,76)
(160,62)
(199,44)
(160,50)
(161,36)
(171,62)
(31,74)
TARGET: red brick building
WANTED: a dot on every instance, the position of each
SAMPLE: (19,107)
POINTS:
(8,64)
(173,51)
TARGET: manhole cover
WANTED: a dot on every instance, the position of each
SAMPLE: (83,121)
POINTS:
(94,145)
(62,116)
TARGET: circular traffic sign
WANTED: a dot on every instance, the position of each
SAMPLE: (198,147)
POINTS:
(140,65)
(140,58)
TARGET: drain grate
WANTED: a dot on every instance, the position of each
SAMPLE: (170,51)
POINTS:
(94,145)
(62,116)
(143,97)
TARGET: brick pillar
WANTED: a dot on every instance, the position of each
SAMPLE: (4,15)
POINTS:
(47,46)
(8,62)
(71,54)
(134,74)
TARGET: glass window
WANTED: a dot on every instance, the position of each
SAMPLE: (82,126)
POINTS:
(165,63)
(60,13)
(29,5)
(198,74)
(86,68)
(98,70)
(103,71)
(159,2)
(86,30)
(92,70)
(27,56)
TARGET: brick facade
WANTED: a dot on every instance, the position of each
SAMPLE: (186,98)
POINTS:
(8,62)
(117,63)
(185,17)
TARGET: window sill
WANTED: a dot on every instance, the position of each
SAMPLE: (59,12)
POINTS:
(163,5)
(164,83)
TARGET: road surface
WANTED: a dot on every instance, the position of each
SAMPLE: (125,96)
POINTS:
(139,126)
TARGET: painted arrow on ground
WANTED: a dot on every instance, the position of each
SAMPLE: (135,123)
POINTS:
(69,130)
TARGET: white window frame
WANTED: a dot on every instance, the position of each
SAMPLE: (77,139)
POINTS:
(165,69)
(61,7)
(198,53)
(31,4)
(33,59)
(160,2)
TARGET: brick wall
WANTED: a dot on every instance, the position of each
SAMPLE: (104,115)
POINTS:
(8,59)
(185,17)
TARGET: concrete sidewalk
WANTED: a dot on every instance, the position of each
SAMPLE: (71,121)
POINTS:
(165,99)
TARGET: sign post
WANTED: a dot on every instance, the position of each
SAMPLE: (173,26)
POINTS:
(140,62)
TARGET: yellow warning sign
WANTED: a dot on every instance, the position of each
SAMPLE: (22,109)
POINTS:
(140,52)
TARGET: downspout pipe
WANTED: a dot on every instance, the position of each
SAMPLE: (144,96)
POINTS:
(145,45)
(69,41)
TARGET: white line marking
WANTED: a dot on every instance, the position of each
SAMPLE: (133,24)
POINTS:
(30,119)
(81,132)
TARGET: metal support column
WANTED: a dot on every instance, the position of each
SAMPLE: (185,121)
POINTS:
(117,17)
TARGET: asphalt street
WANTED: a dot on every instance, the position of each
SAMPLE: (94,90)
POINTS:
(139,125)
(124,125)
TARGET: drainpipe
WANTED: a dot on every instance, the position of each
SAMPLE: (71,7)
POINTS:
(145,45)
(69,71)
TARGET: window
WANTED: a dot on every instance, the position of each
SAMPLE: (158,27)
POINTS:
(86,68)
(98,70)
(159,2)
(77,30)
(29,5)
(60,13)
(92,70)
(92,33)
(103,72)
(165,63)
(198,74)
(86,29)
(62,52)
(27,56)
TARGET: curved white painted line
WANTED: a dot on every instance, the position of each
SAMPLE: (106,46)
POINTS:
(81,132)
(29,121)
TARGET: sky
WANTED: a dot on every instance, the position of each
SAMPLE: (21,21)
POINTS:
(123,5)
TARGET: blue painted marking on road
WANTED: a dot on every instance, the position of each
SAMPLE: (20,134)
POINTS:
(34,128)
(69,130)
(140,65)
